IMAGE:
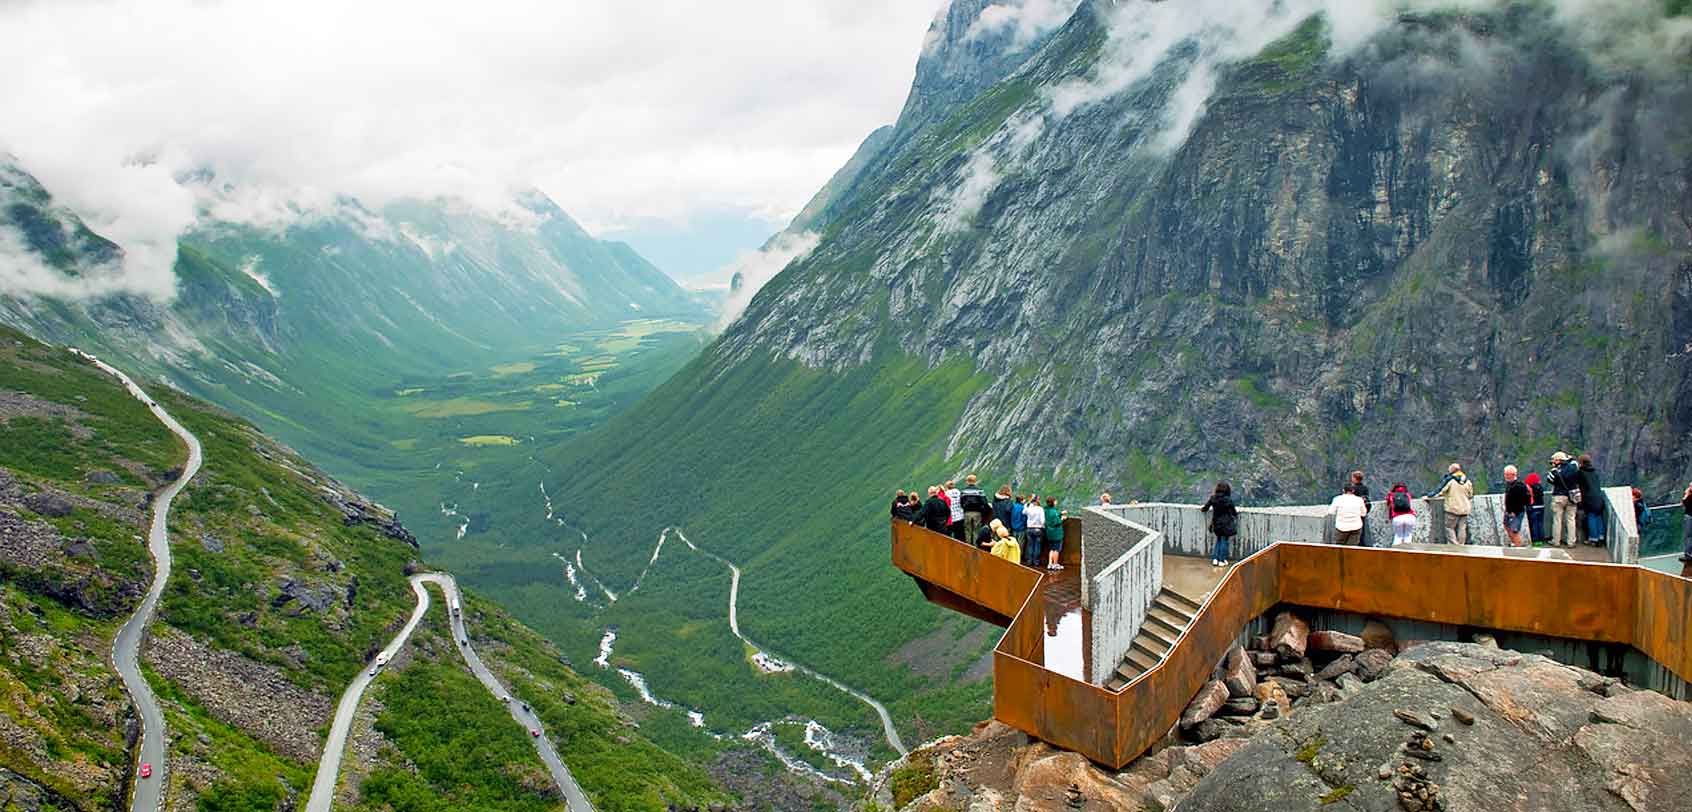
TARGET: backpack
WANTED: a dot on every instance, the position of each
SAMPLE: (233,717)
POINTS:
(1400,502)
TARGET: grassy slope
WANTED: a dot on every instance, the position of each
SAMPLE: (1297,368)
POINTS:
(272,527)
(766,466)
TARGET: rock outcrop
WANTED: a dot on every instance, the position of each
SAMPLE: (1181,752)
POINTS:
(1446,726)
(1462,726)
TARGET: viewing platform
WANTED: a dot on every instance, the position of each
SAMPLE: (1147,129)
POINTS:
(1102,657)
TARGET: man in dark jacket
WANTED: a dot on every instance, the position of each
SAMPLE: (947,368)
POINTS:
(1002,506)
(1565,478)
(936,515)
(976,510)
(1362,491)
(1686,534)
(1516,499)
(1592,501)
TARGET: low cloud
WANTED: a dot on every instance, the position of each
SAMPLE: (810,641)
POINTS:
(756,268)
(985,168)
(260,113)
(1026,20)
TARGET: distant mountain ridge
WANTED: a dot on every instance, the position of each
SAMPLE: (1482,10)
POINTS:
(273,321)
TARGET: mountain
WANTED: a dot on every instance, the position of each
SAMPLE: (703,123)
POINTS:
(296,325)
(284,583)
(1145,255)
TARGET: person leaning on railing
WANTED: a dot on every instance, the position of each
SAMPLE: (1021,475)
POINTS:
(1686,533)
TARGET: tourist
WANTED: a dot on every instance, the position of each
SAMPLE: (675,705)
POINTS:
(1054,533)
(1458,491)
(1347,509)
(975,507)
(1104,499)
(1536,508)
(954,500)
(1516,499)
(1362,492)
(1592,501)
(1565,482)
(1686,531)
(1019,522)
(1224,523)
(902,508)
(1641,511)
(1006,547)
(1002,503)
(985,536)
(1035,518)
(1402,515)
(936,516)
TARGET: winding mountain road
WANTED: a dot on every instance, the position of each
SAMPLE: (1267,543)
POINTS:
(887,728)
(126,648)
(329,766)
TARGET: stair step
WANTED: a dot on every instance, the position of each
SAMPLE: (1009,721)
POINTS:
(1160,640)
(1167,622)
(1127,671)
(1142,658)
(1173,609)
(1182,601)
(1116,684)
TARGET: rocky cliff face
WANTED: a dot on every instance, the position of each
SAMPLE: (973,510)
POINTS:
(1466,237)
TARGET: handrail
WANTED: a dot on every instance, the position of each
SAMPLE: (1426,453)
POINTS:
(1610,603)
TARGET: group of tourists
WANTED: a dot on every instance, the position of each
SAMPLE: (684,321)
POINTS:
(1575,497)
(1576,492)
(1012,527)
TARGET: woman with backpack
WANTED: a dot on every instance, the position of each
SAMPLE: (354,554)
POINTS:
(1403,517)
(1592,501)
(1224,523)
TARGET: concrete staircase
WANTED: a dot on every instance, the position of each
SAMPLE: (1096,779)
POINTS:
(1169,615)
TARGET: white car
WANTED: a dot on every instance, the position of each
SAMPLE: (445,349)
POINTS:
(381,659)
(372,671)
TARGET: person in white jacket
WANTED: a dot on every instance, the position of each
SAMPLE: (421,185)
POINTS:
(1348,510)
(1036,519)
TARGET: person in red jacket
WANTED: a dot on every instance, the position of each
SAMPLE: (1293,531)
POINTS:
(1402,514)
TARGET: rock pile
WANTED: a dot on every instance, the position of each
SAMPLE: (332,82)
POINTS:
(1287,668)
(1454,726)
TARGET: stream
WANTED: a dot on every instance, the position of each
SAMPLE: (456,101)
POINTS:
(847,755)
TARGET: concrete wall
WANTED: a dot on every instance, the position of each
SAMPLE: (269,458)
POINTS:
(1186,530)
(1118,590)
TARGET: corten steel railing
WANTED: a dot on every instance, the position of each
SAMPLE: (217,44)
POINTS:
(1610,603)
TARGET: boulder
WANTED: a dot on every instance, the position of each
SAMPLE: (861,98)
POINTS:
(1243,706)
(1587,752)
(79,548)
(1373,664)
(1205,705)
(1336,642)
(1238,674)
(1294,688)
(1342,665)
(1298,669)
(1219,728)
(212,543)
(1289,636)
(1264,659)
(48,504)
(102,478)
(1377,635)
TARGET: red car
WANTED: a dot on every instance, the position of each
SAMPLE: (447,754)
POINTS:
(535,732)
(146,770)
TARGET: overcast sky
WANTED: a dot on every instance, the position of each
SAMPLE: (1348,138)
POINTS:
(674,123)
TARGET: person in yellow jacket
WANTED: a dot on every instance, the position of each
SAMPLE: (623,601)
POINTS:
(1006,547)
